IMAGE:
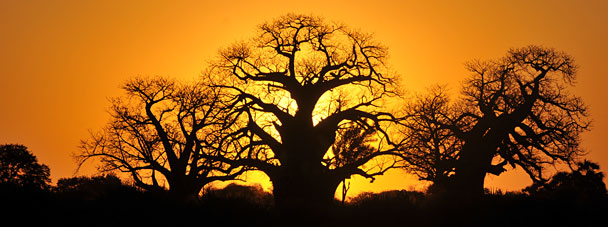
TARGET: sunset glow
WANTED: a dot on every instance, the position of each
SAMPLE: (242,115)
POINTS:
(60,61)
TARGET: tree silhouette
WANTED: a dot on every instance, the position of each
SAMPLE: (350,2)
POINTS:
(296,84)
(585,182)
(515,110)
(20,168)
(431,149)
(159,132)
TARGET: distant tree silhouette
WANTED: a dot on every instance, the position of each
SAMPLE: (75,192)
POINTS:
(24,186)
(159,131)
(431,149)
(584,183)
(89,188)
(298,83)
(515,110)
(20,168)
(250,193)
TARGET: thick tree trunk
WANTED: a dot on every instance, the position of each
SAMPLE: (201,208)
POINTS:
(467,184)
(303,188)
(299,196)
(183,189)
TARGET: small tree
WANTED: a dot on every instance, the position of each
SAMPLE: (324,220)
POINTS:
(160,131)
(20,168)
(431,149)
(584,182)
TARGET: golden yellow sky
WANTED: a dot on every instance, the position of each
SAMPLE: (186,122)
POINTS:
(61,60)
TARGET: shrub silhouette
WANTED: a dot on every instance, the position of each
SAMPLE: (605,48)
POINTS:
(91,188)
(247,193)
(583,184)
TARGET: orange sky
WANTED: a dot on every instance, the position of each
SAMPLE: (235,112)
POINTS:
(61,60)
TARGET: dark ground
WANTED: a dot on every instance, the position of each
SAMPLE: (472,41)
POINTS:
(249,206)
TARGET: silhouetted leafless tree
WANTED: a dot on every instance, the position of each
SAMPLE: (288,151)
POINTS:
(160,132)
(431,149)
(297,83)
(515,110)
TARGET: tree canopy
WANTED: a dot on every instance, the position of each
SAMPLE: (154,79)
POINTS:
(20,168)
(297,83)
(160,132)
(516,110)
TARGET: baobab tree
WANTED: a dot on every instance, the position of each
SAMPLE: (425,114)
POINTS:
(296,84)
(352,143)
(515,111)
(431,149)
(160,132)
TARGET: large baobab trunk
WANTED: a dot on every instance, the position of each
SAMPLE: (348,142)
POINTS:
(184,189)
(304,194)
(303,184)
(471,169)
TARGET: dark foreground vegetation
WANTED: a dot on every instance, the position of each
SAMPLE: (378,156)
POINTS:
(576,198)
(104,201)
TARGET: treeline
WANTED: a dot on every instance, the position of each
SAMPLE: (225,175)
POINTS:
(106,201)
(576,198)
